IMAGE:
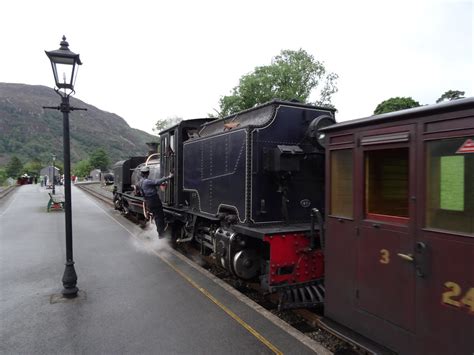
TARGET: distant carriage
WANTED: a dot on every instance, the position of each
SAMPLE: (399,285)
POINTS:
(24,180)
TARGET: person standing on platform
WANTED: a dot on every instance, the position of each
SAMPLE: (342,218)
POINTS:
(148,189)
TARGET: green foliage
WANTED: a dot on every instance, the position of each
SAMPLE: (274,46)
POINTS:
(452,183)
(166,123)
(451,95)
(14,167)
(60,166)
(28,131)
(3,176)
(82,168)
(99,159)
(291,75)
(395,104)
(33,167)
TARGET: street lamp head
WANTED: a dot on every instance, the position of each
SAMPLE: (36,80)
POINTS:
(54,157)
(65,66)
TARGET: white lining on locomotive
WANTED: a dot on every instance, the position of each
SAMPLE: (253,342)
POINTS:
(249,171)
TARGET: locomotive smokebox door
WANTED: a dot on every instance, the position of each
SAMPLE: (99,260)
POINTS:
(283,158)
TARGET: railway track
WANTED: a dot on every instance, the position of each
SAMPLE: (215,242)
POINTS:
(92,189)
(6,191)
(306,321)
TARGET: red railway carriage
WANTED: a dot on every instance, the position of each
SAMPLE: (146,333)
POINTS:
(399,257)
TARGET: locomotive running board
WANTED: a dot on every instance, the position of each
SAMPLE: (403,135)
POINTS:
(307,295)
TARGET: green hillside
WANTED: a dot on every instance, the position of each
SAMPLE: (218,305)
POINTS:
(30,132)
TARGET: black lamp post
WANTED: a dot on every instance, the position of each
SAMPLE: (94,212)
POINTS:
(54,160)
(65,66)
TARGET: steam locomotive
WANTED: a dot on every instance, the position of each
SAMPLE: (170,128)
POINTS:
(248,191)
(127,198)
(375,216)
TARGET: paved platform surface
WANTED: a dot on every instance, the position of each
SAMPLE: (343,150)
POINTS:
(136,295)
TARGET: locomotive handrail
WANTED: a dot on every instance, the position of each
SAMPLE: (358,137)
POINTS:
(148,159)
(315,213)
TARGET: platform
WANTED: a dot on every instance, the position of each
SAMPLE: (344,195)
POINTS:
(136,294)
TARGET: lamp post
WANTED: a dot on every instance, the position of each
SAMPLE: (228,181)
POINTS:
(54,160)
(65,65)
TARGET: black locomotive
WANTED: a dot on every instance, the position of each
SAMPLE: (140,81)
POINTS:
(127,198)
(246,190)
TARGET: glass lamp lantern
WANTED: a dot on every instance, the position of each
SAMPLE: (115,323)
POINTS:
(65,65)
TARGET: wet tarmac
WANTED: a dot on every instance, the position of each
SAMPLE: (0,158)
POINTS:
(136,295)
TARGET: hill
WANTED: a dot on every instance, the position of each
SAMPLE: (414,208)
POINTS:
(30,132)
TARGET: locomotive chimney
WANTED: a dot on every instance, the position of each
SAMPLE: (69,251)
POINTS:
(152,148)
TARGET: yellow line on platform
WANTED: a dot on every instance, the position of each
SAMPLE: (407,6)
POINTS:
(224,308)
(239,320)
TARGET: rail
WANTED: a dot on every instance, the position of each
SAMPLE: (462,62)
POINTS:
(104,196)
(6,191)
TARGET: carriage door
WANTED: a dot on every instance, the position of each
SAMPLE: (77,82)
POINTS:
(386,201)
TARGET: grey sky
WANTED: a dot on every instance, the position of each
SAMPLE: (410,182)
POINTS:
(147,60)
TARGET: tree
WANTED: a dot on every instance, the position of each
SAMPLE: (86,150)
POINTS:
(82,168)
(3,176)
(99,159)
(166,123)
(14,167)
(395,104)
(60,166)
(33,167)
(291,75)
(451,95)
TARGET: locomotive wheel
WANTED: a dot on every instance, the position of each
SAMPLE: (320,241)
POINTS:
(117,203)
(125,211)
(246,264)
(175,229)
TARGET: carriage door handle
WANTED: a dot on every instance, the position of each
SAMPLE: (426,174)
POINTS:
(407,257)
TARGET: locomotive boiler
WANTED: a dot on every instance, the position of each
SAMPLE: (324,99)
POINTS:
(249,192)
(127,198)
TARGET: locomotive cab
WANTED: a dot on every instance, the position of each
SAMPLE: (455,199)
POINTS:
(171,157)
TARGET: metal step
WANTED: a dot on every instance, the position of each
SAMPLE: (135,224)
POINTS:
(302,295)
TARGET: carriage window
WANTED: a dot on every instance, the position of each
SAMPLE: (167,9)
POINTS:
(386,184)
(450,186)
(341,183)
(451,183)
(164,145)
(172,142)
